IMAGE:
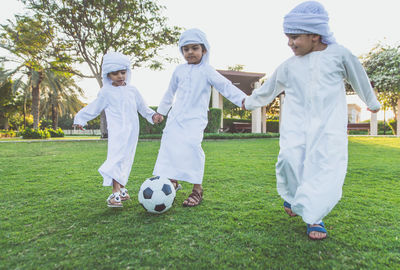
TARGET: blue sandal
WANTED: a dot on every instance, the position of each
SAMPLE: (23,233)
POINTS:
(316,229)
(289,206)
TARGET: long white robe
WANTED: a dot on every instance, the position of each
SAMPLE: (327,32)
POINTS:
(121,105)
(312,161)
(180,156)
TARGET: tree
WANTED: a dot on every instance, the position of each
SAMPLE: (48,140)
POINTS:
(382,65)
(7,102)
(94,27)
(60,96)
(35,49)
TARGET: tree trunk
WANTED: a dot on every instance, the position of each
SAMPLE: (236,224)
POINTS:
(398,118)
(36,100)
(54,116)
(35,105)
(103,118)
(103,125)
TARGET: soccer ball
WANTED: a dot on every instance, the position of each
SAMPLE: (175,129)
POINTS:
(156,194)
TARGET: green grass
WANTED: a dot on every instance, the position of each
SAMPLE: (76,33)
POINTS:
(54,215)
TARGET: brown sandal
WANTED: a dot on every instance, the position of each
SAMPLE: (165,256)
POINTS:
(176,185)
(194,199)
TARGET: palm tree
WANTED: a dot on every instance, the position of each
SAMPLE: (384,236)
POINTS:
(60,96)
(35,51)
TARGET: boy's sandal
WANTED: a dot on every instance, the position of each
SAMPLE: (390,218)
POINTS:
(124,194)
(176,185)
(288,209)
(194,199)
(114,200)
(317,229)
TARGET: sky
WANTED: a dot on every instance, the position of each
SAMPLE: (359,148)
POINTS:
(250,33)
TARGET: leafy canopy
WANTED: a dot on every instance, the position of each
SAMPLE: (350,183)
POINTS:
(94,27)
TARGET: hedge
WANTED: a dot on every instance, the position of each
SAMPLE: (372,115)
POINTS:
(56,133)
(7,133)
(31,133)
(393,125)
(214,116)
(214,120)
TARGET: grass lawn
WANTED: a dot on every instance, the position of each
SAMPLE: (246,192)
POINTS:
(54,214)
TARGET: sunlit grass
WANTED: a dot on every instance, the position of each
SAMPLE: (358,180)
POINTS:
(54,215)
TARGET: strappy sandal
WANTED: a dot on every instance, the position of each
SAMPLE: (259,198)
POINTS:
(320,228)
(194,199)
(124,194)
(177,186)
(114,200)
(288,209)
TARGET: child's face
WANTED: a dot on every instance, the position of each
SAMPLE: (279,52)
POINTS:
(302,44)
(118,77)
(193,53)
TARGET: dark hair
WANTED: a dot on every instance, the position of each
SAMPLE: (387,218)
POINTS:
(202,47)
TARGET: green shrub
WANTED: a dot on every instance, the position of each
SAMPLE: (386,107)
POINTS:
(7,133)
(45,124)
(393,126)
(214,116)
(214,120)
(30,133)
(273,126)
(56,133)
(147,128)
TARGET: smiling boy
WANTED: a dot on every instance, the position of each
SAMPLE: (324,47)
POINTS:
(312,161)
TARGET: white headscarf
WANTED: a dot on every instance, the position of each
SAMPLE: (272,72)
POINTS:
(195,36)
(114,61)
(309,18)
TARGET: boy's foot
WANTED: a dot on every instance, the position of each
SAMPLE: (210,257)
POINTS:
(194,198)
(124,194)
(288,209)
(317,231)
(176,185)
(114,200)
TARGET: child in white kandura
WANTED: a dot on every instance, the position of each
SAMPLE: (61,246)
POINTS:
(121,102)
(312,161)
(181,156)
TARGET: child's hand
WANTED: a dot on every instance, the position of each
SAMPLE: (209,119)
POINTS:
(373,111)
(157,118)
(243,107)
(78,126)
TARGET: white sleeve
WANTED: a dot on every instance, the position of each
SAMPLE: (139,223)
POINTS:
(268,91)
(168,99)
(90,111)
(143,109)
(225,87)
(359,81)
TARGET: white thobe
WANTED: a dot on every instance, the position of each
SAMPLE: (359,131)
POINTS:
(121,105)
(180,156)
(312,161)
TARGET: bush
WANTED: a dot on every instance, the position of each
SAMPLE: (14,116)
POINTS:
(214,116)
(393,125)
(273,126)
(147,128)
(56,133)
(7,133)
(30,133)
(214,120)
(45,124)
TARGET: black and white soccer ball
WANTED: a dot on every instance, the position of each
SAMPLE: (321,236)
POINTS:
(156,194)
